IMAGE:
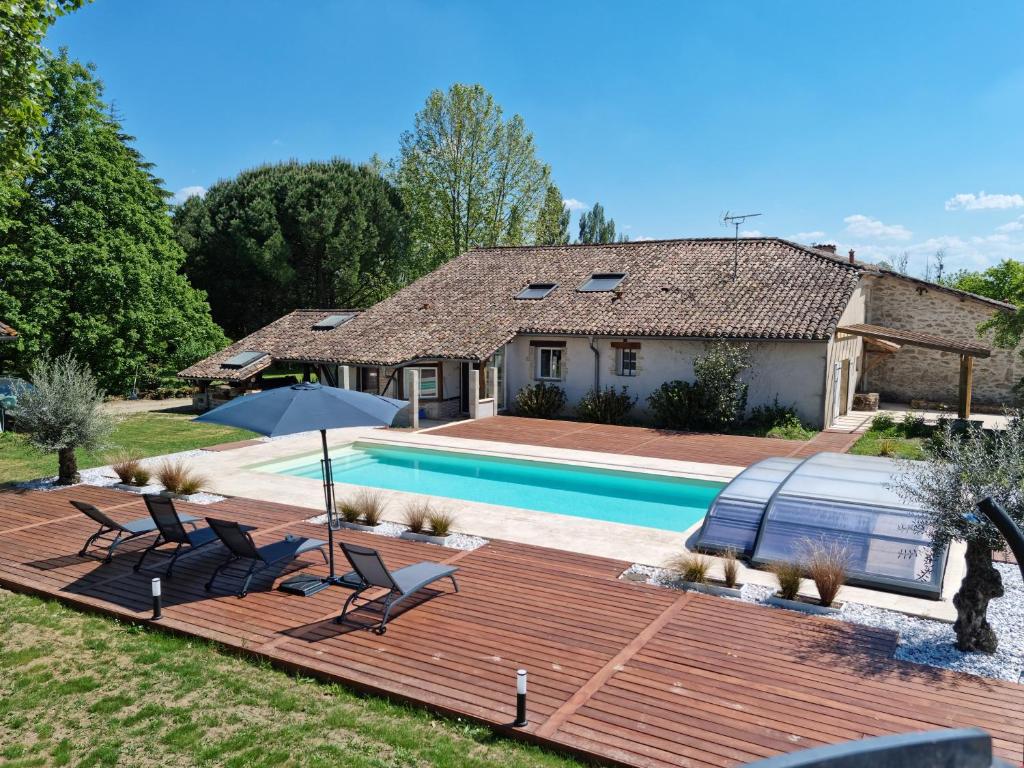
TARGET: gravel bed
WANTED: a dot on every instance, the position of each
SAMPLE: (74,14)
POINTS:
(395,530)
(923,641)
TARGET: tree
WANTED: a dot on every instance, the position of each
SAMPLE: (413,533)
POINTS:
(962,469)
(278,237)
(552,226)
(61,411)
(469,177)
(90,265)
(898,264)
(23,25)
(595,229)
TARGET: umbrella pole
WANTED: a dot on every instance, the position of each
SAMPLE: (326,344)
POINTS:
(328,501)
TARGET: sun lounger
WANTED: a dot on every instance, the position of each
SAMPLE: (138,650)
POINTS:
(172,533)
(241,546)
(112,533)
(371,572)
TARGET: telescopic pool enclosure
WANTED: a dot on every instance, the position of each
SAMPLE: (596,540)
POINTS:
(776,508)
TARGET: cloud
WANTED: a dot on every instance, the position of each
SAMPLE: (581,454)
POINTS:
(1012,226)
(977,202)
(751,233)
(816,236)
(860,225)
(574,205)
(185,193)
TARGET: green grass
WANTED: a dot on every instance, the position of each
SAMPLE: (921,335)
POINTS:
(144,434)
(89,691)
(906,439)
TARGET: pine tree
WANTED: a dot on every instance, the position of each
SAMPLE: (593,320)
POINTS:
(91,266)
(552,226)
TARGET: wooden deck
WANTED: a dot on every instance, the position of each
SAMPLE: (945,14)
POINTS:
(621,672)
(737,450)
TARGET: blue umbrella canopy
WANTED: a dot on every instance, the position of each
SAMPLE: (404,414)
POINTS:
(305,408)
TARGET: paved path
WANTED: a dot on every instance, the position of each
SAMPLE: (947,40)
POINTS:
(736,450)
(171,404)
(620,672)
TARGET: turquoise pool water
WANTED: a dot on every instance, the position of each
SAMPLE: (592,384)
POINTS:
(654,501)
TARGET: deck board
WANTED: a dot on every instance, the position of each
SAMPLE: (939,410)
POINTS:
(622,672)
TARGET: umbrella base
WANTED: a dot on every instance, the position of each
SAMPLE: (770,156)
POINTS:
(304,585)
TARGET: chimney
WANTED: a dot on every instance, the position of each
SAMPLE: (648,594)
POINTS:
(824,247)
(851,257)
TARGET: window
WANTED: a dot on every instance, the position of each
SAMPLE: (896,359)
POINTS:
(602,281)
(536,290)
(428,383)
(627,362)
(549,363)
(331,321)
(243,359)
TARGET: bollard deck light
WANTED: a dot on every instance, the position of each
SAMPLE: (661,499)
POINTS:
(155,587)
(520,699)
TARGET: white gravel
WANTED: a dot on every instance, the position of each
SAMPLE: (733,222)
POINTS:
(395,530)
(923,641)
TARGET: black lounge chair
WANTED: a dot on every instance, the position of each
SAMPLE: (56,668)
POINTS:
(120,532)
(172,532)
(371,572)
(241,546)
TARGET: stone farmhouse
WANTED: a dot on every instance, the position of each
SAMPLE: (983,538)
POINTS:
(820,327)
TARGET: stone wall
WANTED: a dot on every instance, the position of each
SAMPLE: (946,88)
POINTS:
(927,374)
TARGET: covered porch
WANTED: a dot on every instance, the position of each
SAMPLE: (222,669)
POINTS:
(882,342)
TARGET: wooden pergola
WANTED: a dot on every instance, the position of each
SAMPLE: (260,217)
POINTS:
(890,340)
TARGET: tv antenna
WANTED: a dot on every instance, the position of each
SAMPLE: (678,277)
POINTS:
(735,220)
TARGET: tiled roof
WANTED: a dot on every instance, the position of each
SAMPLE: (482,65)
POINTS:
(673,288)
(917,339)
(287,338)
(7,333)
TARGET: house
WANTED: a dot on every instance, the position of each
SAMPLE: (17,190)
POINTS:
(819,327)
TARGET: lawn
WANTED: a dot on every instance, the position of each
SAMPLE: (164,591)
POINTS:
(143,434)
(87,691)
(903,439)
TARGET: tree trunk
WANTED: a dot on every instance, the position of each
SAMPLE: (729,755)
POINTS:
(981,583)
(67,474)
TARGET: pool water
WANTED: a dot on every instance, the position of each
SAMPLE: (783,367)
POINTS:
(635,498)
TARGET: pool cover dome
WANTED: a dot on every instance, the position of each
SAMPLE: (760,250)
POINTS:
(773,509)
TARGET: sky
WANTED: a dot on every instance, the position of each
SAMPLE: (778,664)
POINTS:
(886,127)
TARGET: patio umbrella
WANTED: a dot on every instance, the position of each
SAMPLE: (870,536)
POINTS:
(307,408)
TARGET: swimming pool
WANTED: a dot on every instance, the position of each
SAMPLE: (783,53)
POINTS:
(636,498)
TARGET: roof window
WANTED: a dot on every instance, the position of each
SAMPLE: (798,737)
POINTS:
(602,281)
(536,291)
(331,321)
(243,359)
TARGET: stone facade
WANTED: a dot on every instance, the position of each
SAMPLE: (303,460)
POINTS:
(915,373)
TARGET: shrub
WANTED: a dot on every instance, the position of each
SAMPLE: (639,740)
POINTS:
(793,429)
(715,401)
(606,406)
(141,476)
(720,393)
(540,401)
(883,422)
(730,567)
(176,477)
(441,522)
(779,421)
(126,467)
(692,567)
(914,425)
(416,515)
(788,575)
(826,565)
(672,405)
(366,507)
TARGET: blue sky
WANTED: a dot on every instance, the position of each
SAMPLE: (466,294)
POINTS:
(881,126)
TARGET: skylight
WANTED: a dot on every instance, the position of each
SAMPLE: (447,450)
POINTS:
(243,359)
(536,291)
(330,322)
(602,281)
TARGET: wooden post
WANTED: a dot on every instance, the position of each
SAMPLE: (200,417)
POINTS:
(966,382)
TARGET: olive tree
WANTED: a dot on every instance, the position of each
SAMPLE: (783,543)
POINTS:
(962,469)
(61,411)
